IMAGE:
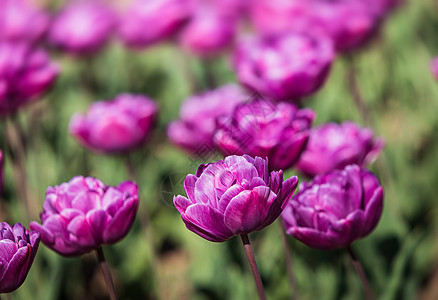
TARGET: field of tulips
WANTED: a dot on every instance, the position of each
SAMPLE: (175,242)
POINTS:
(218,149)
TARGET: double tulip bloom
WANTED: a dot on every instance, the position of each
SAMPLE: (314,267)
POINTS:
(149,21)
(115,126)
(83,214)
(83,27)
(25,74)
(18,248)
(209,31)
(233,196)
(349,24)
(278,131)
(284,67)
(195,130)
(333,146)
(20,21)
(335,209)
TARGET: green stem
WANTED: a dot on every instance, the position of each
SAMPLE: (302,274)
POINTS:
(288,259)
(106,273)
(253,264)
(357,265)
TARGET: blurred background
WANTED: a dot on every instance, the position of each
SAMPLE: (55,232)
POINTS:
(400,256)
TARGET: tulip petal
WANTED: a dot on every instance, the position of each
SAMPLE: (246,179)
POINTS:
(312,238)
(373,211)
(207,222)
(97,219)
(181,203)
(246,211)
(189,186)
(80,232)
(228,196)
(17,269)
(120,224)
(86,201)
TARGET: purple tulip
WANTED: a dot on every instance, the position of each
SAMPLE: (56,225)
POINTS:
(115,126)
(333,146)
(149,21)
(20,21)
(25,74)
(335,209)
(349,24)
(286,67)
(208,32)
(233,196)
(278,131)
(83,214)
(18,248)
(195,130)
(83,27)
(434,67)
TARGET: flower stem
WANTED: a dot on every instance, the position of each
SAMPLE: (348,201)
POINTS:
(15,146)
(106,273)
(288,259)
(356,94)
(357,265)
(253,264)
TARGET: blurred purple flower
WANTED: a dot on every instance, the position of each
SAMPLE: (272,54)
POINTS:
(115,126)
(333,146)
(21,21)
(286,67)
(261,128)
(82,214)
(335,209)
(349,23)
(25,74)
(434,67)
(149,21)
(208,32)
(233,196)
(1,171)
(196,127)
(83,27)
(18,248)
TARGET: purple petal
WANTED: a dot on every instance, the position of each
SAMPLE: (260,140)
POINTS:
(312,238)
(181,203)
(247,210)
(122,222)
(17,269)
(189,186)
(97,220)
(207,222)
(228,196)
(80,232)
(86,201)
(373,211)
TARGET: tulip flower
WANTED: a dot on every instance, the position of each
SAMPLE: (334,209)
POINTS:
(349,24)
(195,130)
(278,131)
(21,21)
(18,248)
(83,214)
(208,32)
(25,74)
(83,27)
(334,146)
(233,196)
(115,126)
(285,67)
(149,21)
(335,209)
